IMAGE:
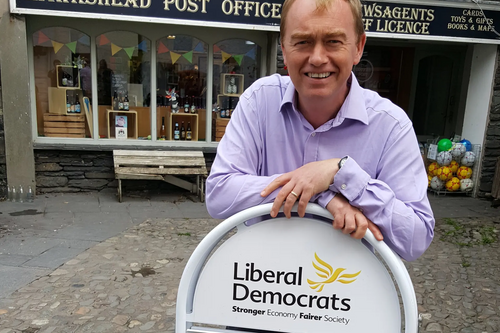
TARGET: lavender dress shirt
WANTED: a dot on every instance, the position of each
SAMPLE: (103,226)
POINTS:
(385,176)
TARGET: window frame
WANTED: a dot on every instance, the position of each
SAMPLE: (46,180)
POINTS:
(94,28)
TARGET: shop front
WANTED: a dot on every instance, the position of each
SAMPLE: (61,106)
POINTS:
(100,75)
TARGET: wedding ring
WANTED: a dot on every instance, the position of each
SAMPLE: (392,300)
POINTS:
(294,194)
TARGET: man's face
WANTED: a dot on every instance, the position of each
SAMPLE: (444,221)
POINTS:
(320,49)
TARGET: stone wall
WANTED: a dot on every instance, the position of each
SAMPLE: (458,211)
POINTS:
(73,171)
(491,149)
(76,171)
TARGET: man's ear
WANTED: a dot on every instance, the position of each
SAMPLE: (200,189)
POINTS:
(359,49)
(283,52)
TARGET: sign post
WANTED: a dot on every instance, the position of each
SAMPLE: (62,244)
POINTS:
(293,275)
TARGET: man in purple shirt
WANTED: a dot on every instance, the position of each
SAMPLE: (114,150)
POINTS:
(318,136)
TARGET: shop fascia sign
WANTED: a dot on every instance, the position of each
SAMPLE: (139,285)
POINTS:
(379,18)
(282,276)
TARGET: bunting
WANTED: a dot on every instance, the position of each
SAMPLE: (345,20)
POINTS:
(162,48)
(199,47)
(72,46)
(129,51)
(216,49)
(143,46)
(103,40)
(189,56)
(85,40)
(174,56)
(225,56)
(115,49)
(57,46)
(251,54)
(42,38)
(238,58)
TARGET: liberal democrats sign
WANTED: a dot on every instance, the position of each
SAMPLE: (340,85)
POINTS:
(296,275)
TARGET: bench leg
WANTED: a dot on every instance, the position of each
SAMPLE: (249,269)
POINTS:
(202,189)
(198,185)
(119,190)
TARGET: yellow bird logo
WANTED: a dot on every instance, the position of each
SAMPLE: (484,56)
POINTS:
(325,271)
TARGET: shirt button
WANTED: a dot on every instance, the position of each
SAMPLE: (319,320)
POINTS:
(344,186)
(314,134)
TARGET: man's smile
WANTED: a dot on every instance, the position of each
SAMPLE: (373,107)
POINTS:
(319,75)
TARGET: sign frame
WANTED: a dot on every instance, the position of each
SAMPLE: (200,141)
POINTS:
(194,267)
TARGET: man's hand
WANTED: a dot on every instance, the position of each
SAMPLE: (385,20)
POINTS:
(303,183)
(350,219)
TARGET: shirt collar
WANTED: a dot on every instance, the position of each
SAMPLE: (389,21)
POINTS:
(353,108)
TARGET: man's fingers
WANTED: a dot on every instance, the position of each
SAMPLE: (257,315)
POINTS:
(349,224)
(375,231)
(361,226)
(278,182)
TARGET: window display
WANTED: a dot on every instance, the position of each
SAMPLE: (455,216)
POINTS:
(236,67)
(181,88)
(61,61)
(123,79)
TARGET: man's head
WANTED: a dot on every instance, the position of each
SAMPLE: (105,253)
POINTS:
(321,42)
(322,5)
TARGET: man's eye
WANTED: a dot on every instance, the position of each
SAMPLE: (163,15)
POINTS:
(302,42)
(333,41)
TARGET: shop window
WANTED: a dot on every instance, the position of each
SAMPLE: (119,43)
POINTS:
(236,67)
(181,72)
(123,85)
(61,59)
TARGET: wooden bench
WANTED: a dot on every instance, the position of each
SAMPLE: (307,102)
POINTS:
(161,165)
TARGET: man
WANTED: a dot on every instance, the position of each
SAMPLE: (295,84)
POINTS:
(318,136)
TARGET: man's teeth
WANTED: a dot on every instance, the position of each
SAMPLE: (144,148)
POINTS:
(318,75)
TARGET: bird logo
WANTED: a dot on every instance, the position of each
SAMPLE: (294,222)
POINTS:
(325,271)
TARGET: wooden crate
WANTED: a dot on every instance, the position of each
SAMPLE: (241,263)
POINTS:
(220,127)
(64,126)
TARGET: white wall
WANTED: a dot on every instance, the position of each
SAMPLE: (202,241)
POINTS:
(4,7)
(481,82)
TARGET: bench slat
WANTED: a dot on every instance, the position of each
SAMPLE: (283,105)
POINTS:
(161,171)
(138,176)
(149,153)
(158,160)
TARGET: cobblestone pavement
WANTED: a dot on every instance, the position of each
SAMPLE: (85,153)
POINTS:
(128,283)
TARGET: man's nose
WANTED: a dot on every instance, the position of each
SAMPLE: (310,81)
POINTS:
(319,55)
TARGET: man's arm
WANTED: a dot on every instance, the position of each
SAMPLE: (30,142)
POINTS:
(396,201)
(234,183)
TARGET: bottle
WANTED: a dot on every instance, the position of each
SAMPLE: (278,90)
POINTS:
(162,129)
(193,106)
(120,102)
(68,104)
(186,105)
(115,101)
(64,80)
(14,194)
(183,131)
(188,132)
(9,193)
(177,134)
(223,113)
(77,105)
(126,103)
(21,194)
(30,196)
(72,107)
